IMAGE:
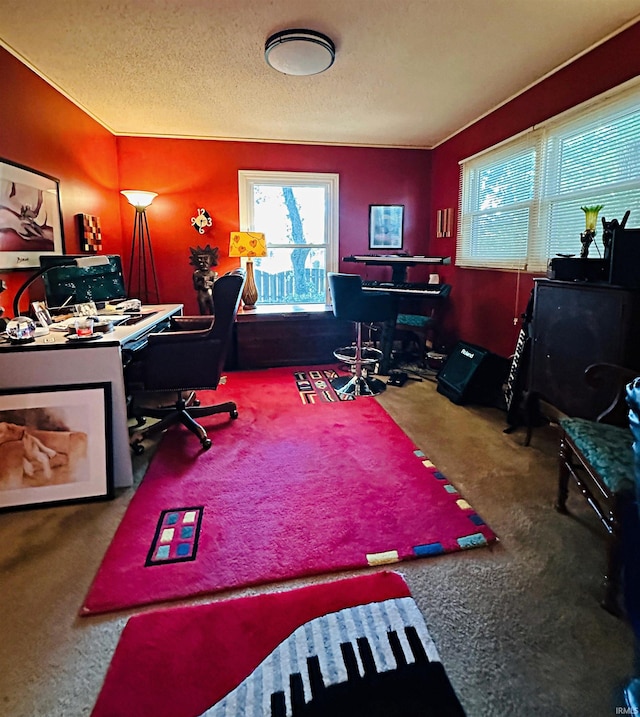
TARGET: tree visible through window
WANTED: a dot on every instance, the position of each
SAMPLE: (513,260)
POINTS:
(297,212)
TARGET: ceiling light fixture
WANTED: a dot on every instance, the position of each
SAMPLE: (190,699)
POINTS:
(299,52)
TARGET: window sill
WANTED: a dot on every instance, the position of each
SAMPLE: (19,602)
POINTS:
(284,311)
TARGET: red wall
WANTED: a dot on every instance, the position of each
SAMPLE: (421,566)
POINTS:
(483,303)
(188,174)
(41,129)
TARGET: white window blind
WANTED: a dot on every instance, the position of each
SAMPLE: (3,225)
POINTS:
(520,202)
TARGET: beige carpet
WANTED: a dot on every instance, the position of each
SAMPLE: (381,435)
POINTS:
(518,626)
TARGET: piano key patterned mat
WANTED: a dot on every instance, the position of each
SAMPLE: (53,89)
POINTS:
(357,646)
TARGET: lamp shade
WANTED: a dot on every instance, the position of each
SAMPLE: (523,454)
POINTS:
(299,52)
(139,199)
(247,244)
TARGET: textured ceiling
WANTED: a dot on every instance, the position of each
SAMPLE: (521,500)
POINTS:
(408,73)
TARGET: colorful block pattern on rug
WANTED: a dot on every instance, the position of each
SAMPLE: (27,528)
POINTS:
(176,536)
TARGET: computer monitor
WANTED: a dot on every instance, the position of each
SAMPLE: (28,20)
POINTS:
(65,285)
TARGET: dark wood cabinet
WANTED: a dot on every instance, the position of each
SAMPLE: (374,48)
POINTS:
(576,324)
(266,339)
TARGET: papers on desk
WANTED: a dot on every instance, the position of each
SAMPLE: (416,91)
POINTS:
(70,323)
(64,325)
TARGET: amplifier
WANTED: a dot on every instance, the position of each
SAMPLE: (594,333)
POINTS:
(577,269)
(472,374)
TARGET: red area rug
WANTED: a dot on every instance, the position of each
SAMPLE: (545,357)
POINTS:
(350,647)
(287,490)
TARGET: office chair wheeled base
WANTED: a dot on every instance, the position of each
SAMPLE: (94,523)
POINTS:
(358,386)
(184,411)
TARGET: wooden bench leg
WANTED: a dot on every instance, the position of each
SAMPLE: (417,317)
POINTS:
(609,517)
(612,578)
(563,476)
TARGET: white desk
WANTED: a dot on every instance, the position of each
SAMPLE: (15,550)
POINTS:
(53,361)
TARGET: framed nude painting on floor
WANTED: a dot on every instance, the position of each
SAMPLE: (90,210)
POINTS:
(55,445)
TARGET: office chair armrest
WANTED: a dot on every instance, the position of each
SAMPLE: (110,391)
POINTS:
(191,323)
(188,331)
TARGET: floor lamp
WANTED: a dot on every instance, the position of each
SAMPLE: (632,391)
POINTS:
(248,244)
(141,263)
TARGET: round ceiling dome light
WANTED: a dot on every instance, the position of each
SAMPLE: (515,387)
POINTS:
(299,52)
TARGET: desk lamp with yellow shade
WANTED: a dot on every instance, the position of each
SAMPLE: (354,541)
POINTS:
(249,245)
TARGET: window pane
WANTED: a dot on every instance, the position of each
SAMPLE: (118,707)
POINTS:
(523,200)
(290,214)
(567,220)
(292,276)
(501,235)
(507,181)
(605,153)
(298,214)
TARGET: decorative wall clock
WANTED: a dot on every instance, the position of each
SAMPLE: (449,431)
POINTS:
(202,221)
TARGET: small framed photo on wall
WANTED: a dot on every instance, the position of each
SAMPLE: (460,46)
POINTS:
(386,226)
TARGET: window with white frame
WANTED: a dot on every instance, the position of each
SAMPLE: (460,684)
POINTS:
(520,202)
(298,214)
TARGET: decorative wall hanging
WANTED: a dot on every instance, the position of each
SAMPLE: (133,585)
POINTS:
(443,223)
(30,217)
(386,226)
(90,233)
(203,277)
(202,221)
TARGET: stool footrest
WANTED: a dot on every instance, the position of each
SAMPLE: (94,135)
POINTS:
(367,355)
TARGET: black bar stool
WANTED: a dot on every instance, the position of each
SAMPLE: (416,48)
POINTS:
(352,303)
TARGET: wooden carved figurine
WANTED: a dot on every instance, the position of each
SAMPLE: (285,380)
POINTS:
(203,277)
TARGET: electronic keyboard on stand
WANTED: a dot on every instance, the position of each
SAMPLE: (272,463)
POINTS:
(407,288)
(397,262)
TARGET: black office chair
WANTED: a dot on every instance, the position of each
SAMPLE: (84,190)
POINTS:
(350,302)
(188,357)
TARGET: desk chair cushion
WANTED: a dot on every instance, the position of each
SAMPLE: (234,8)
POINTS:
(606,448)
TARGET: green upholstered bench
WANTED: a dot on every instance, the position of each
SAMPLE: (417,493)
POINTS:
(422,329)
(599,457)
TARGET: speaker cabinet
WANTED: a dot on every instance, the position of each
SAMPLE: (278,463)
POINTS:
(576,324)
(472,374)
(625,258)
